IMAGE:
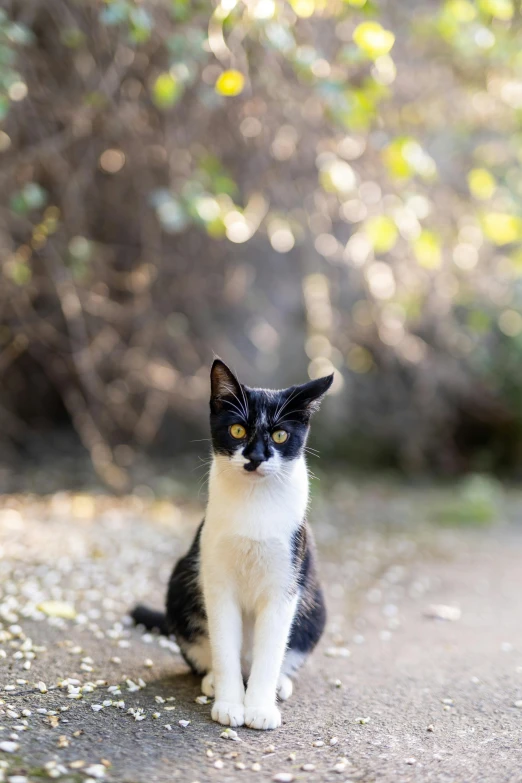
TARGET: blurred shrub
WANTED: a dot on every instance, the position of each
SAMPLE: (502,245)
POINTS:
(258,178)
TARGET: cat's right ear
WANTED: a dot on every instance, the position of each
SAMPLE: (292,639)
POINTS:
(223,383)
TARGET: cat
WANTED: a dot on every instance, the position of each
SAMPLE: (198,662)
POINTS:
(245,604)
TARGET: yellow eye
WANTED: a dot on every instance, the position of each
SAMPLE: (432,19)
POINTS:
(237,431)
(280,436)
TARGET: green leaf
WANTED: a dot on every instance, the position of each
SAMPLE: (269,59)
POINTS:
(230,83)
(166,91)
(382,233)
(501,228)
(373,39)
(500,9)
(427,250)
(481,183)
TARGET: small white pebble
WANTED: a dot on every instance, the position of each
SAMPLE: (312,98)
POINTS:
(239,765)
(334,741)
(308,767)
(219,764)
(256,767)
(230,734)
(318,744)
(168,727)
(410,761)
(156,714)
(431,727)
(518,703)
(148,663)
(42,687)
(201,699)
(9,747)
(96,771)
(283,777)
(17,779)
(159,699)
(96,707)
(115,659)
(337,652)
(184,723)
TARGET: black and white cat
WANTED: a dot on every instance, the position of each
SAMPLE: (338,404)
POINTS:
(245,604)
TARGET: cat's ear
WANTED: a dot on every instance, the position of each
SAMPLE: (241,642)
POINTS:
(307,398)
(223,383)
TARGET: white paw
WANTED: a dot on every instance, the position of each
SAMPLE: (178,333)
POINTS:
(285,687)
(207,685)
(228,713)
(263,718)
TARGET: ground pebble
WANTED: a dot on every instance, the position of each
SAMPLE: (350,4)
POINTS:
(17,779)
(184,723)
(308,767)
(334,741)
(230,734)
(410,761)
(96,771)
(318,744)
(283,777)
(219,764)
(9,747)
(518,703)
(256,767)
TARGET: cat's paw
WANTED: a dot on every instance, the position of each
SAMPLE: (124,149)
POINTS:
(228,713)
(207,685)
(285,687)
(263,718)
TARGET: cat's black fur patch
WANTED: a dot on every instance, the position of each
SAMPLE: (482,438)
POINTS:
(310,616)
(260,412)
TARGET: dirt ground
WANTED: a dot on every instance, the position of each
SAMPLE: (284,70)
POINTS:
(392,694)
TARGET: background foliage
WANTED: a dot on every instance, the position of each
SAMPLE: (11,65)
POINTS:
(293,185)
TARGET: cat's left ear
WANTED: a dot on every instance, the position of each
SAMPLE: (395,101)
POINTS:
(307,397)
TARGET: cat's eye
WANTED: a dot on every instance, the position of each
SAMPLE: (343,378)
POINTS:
(280,436)
(237,431)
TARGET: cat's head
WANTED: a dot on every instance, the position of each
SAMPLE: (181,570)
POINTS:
(260,431)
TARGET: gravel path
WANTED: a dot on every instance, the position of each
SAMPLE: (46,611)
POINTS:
(391,695)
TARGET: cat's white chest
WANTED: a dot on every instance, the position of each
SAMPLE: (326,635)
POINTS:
(256,570)
(246,543)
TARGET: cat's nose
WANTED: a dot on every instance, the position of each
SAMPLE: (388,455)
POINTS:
(252,465)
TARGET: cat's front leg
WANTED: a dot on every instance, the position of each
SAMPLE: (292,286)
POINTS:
(272,629)
(225,632)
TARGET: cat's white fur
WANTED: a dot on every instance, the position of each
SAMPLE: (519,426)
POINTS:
(246,573)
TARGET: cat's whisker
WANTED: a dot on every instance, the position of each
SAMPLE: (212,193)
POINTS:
(235,407)
(283,406)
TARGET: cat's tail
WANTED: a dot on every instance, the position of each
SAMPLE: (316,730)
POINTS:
(152,620)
